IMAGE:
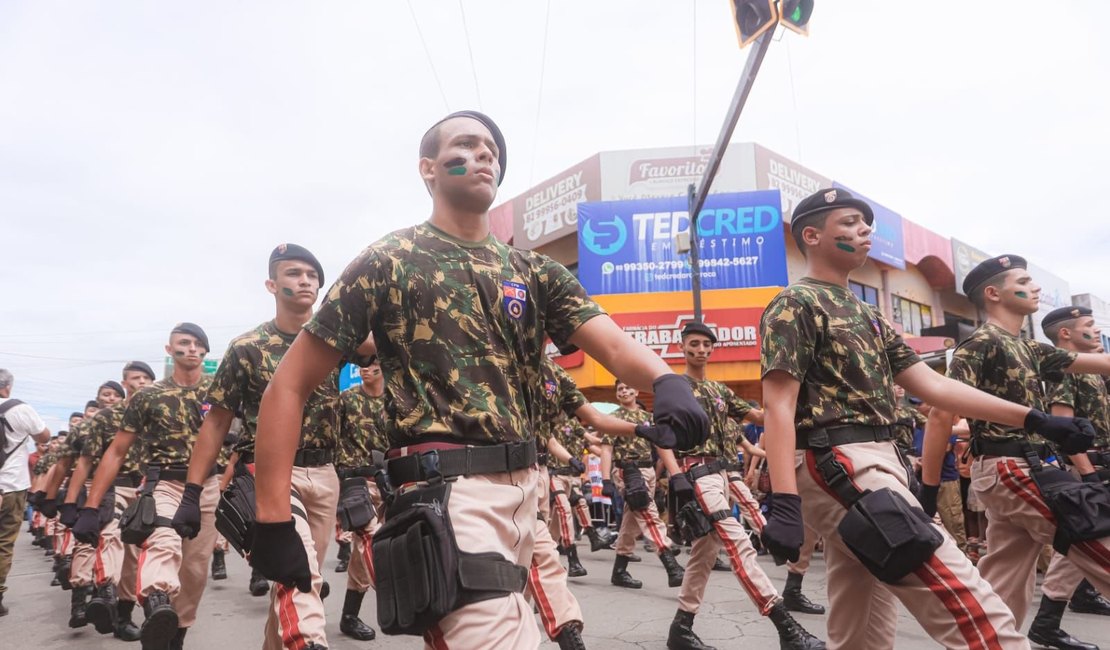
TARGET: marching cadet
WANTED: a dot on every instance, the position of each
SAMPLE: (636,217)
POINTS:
(829,367)
(1020,490)
(296,617)
(164,419)
(460,321)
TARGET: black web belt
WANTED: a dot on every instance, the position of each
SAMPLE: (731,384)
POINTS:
(828,437)
(1016,448)
(464,461)
(705,469)
(175,472)
(641,464)
(563,471)
(368,471)
(128,480)
(315,457)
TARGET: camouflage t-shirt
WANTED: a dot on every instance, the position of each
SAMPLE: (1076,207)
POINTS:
(102,430)
(71,448)
(245,372)
(1009,367)
(844,353)
(908,418)
(167,417)
(634,448)
(561,399)
(460,329)
(45,462)
(720,404)
(569,432)
(361,427)
(1087,396)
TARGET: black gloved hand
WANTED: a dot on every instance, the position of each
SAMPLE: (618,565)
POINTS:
(608,488)
(675,407)
(186,521)
(277,552)
(783,533)
(680,487)
(927,496)
(1073,435)
(48,508)
(577,465)
(36,499)
(67,514)
(660,435)
(87,527)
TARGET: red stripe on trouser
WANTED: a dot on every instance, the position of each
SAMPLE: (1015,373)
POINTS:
(562,514)
(338,532)
(368,556)
(434,638)
(98,566)
(291,638)
(815,474)
(651,528)
(734,556)
(1024,487)
(1097,552)
(547,613)
(754,514)
(139,573)
(583,514)
(971,620)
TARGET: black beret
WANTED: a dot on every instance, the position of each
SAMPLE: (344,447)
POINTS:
(194,330)
(987,269)
(300,253)
(142,367)
(825,200)
(698,327)
(75,414)
(498,138)
(93,403)
(1064,314)
(114,385)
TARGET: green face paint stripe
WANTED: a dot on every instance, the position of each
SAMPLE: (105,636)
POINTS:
(1088,336)
(287,291)
(456,166)
(457,171)
(845,247)
(1021,294)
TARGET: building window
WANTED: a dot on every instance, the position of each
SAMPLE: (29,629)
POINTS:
(912,315)
(869,295)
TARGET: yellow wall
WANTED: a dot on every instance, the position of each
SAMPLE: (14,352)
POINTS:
(911,285)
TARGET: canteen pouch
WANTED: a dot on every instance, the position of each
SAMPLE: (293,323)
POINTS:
(1082,510)
(138,520)
(355,508)
(235,512)
(888,535)
(691,523)
(635,488)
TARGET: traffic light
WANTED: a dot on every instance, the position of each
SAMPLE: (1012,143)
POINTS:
(753,17)
(795,15)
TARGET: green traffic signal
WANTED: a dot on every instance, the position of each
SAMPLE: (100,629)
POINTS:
(795,15)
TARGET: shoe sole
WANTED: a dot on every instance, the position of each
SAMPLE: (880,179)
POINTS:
(99,613)
(158,630)
(576,574)
(639,586)
(1090,610)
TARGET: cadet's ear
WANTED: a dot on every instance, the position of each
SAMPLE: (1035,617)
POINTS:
(811,235)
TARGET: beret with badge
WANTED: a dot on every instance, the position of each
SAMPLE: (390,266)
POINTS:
(1064,314)
(284,252)
(988,269)
(193,330)
(822,201)
(698,327)
(498,137)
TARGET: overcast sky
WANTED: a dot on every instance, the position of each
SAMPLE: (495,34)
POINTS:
(152,154)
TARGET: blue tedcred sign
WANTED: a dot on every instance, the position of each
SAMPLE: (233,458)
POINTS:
(628,246)
(349,375)
(887,242)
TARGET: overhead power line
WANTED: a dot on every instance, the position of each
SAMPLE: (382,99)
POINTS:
(539,96)
(428,54)
(470,51)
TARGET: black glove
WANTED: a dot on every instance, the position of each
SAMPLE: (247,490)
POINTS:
(1073,435)
(680,487)
(67,514)
(186,521)
(36,499)
(675,407)
(277,552)
(927,496)
(608,488)
(577,465)
(48,508)
(660,435)
(87,527)
(1093,477)
(783,534)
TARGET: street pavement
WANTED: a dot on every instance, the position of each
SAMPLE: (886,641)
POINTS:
(616,619)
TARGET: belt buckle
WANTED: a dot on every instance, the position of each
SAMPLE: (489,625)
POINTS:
(429,465)
(515,455)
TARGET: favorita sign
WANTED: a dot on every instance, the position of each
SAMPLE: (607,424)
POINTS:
(737,332)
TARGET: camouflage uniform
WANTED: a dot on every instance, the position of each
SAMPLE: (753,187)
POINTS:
(243,375)
(637,451)
(1004,365)
(460,329)
(82,571)
(907,419)
(845,356)
(716,492)
(362,430)
(165,418)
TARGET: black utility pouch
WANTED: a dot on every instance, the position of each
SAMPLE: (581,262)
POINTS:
(691,523)
(235,512)
(106,512)
(888,535)
(1082,510)
(355,508)
(138,520)
(635,488)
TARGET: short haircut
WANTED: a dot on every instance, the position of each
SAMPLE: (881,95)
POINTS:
(6,378)
(1053,330)
(815,220)
(978,299)
(429,144)
(92,404)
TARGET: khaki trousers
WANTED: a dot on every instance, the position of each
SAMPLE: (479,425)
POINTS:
(946,595)
(543,494)
(1061,578)
(805,555)
(296,618)
(645,522)
(113,556)
(492,513)
(12,505)
(713,495)
(561,525)
(173,565)
(951,510)
(1020,526)
(360,570)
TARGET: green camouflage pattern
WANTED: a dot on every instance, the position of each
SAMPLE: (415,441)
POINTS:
(721,404)
(460,329)
(843,352)
(45,461)
(166,417)
(244,373)
(907,419)
(561,399)
(635,448)
(1009,367)
(101,432)
(569,432)
(1087,396)
(75,439)
(362,422)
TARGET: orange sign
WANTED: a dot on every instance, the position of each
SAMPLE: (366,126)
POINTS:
(737,332)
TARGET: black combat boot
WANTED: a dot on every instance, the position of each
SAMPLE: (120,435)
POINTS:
(55,581)
(62,574)
(101,611)
(325,589)
(792,636)
(178,641)
(574,567)
(344,557)
(125,629)
(1046,631)
(570,637)
(219,566)
(160,626)
(3,610)
(795,600)
(681,635)
(77,605)
(351,624)
(258,586)
(621,577)
(674,571)
(1087,600)
(597,540)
